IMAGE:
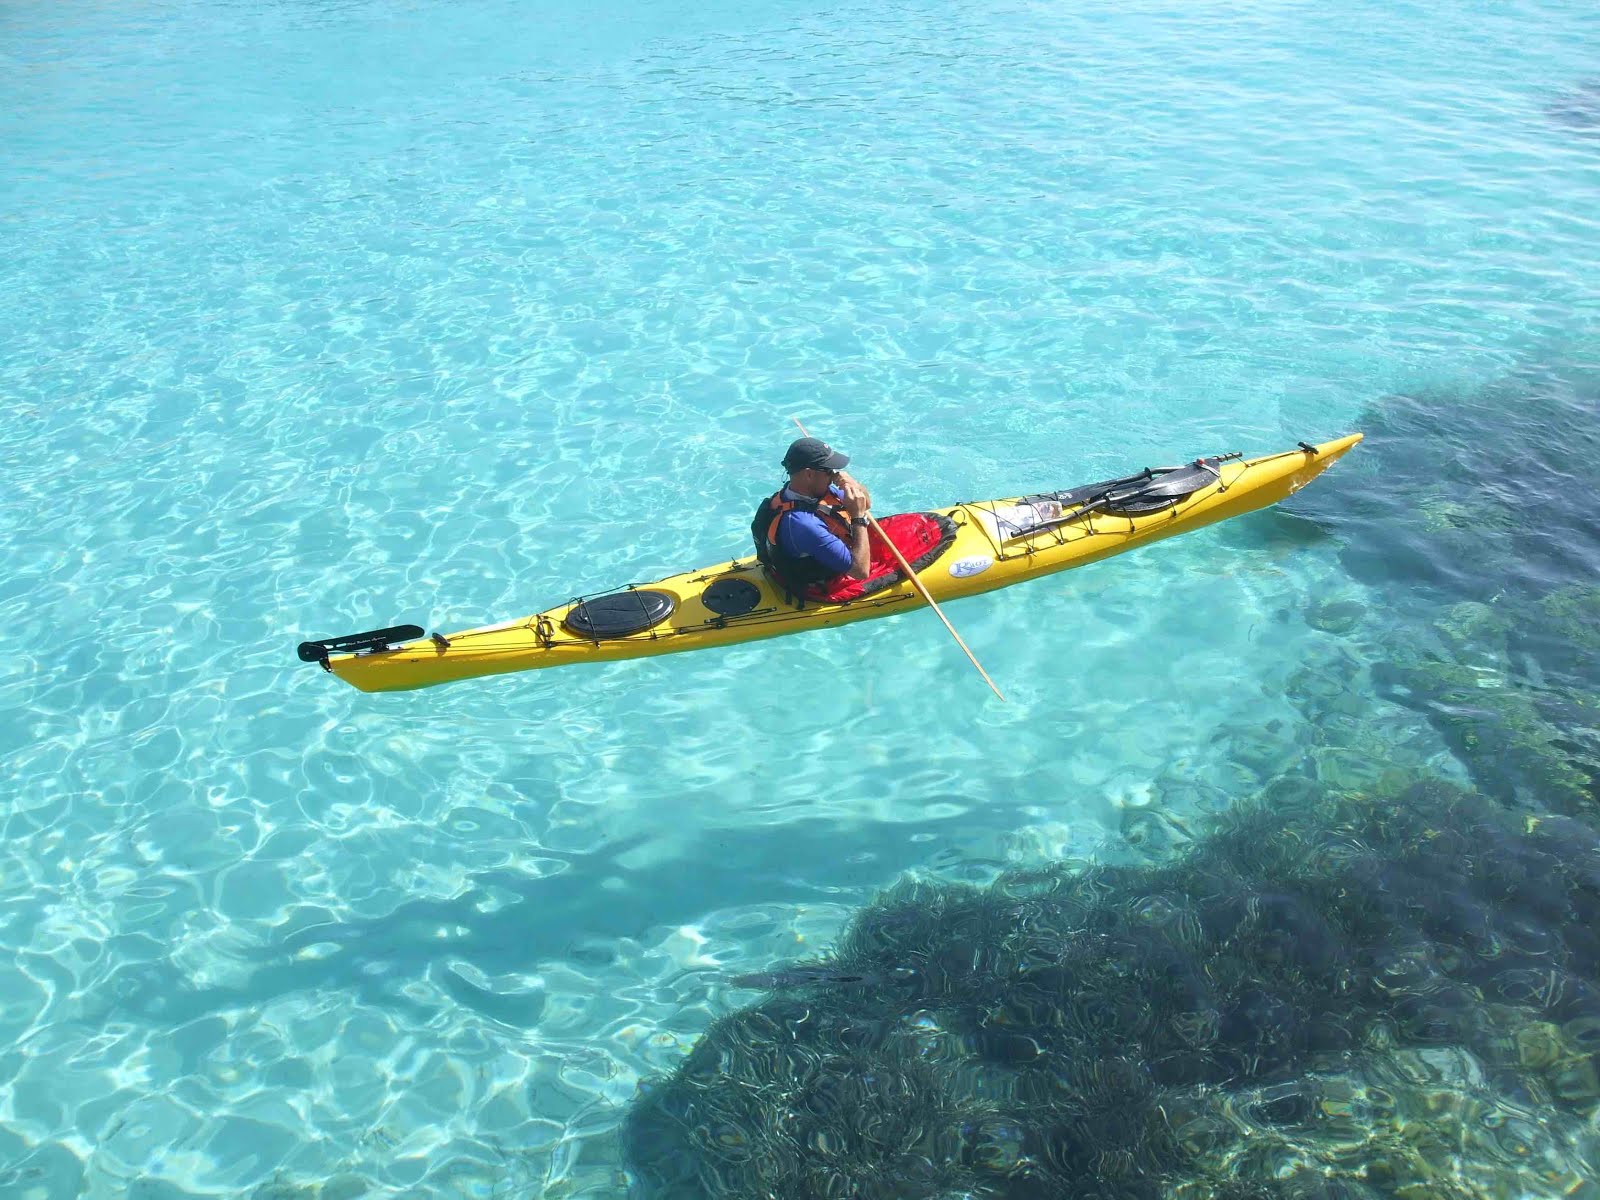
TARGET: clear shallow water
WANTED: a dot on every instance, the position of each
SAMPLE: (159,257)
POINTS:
(322,318)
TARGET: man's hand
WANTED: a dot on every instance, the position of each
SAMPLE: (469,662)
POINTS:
(857,500)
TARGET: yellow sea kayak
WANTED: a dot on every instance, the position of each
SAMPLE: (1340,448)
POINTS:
(979,546)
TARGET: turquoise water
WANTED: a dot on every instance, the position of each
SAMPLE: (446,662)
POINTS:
(321,317)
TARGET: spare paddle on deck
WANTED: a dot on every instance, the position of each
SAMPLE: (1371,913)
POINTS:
(922,588)
(354,643)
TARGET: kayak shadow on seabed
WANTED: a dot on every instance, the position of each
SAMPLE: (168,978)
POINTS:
(535,919)
(1367,981)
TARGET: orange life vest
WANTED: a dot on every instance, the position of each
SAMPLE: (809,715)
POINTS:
(831,515)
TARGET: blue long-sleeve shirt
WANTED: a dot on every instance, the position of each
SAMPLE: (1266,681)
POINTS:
(803,535)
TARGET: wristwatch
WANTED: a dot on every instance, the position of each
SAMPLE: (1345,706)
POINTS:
(860,522)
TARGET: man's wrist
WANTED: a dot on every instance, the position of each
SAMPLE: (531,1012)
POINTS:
(859,522)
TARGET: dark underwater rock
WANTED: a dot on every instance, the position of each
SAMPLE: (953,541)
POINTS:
(1578,108)
(1335,616)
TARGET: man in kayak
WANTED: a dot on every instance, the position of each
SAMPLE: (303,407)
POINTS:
(813,531)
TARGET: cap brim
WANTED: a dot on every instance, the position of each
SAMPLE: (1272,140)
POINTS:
(836,461)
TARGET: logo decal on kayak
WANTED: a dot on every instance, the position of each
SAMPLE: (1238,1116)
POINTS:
(975,564)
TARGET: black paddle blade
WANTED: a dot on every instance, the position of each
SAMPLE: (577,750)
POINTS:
(350,643)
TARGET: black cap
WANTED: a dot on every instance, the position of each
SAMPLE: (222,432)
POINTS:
(813,452)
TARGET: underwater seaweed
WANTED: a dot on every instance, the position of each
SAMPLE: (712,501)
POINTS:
(1216,1026)
(1475,496)
(1523,744)
(1469,513)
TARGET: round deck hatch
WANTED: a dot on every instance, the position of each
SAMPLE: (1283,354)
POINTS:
(730,597)
(619,614)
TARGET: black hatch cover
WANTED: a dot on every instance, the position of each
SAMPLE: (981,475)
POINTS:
(620,613)
(731,597)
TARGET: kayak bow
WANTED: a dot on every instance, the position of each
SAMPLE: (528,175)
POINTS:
(990,544)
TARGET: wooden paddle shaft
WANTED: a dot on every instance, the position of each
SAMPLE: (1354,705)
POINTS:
(923,589)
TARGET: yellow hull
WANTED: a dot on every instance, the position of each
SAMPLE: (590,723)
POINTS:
(542,640)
